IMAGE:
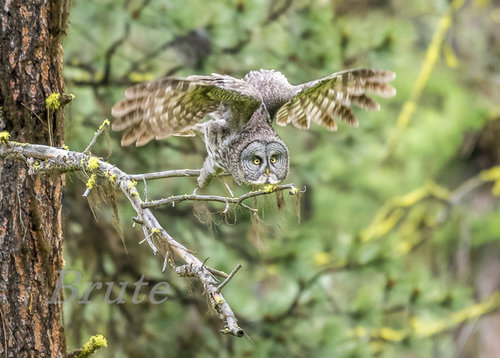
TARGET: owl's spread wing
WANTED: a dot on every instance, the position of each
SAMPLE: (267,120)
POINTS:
(172,106)
(323,100)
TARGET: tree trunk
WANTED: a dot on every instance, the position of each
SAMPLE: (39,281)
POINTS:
(30,206)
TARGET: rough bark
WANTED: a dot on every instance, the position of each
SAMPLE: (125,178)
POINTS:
(30,207)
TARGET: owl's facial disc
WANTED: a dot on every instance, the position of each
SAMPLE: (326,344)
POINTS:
(264,162)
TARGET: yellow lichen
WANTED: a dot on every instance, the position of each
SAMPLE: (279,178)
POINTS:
(321,258)
(360,331)
(52,101)
(155,230)
(140,77)
(110,177)
(93,163)
(104,124)
(91,182)
(65,147)
(131,184)
(493,174)
(269,188)
(390,334)
(94,343)
(4,136)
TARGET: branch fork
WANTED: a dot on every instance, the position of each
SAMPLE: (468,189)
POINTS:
(47,159)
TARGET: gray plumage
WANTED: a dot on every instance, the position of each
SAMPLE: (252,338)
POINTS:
(239,137)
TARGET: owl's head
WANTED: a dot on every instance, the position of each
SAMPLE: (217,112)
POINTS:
(263,162)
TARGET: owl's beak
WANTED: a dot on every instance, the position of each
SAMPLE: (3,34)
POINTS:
(267,170)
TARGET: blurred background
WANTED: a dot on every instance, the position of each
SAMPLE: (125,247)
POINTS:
(394,248)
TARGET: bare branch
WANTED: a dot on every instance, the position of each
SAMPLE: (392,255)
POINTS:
(41,159)
(223,199)
(169,174)
(101,129)
(466,188)
(226,281)
(274,14)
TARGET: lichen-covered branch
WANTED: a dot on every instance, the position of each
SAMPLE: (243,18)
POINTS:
(94,343)
(431,57)
(177,173)
(227,200)
(42,159)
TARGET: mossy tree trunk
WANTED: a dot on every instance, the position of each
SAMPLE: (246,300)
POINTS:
(30,206)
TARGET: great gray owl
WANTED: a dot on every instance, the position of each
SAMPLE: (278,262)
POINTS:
(239,137)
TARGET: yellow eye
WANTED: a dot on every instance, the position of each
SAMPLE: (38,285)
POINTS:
(256,160)
(273,160)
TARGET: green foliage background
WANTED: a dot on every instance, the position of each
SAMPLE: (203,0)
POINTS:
(388,258)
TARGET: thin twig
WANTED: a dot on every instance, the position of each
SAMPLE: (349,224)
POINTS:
(228,188)
(145,189)
(226,281)
(86,192)
(465,188)
(136,220)
(148,237)
(4,333)
(101,129)
(49,127)
(165,262)
(36,115)
(216,272)
(20,209)
(169,174)
(223,199)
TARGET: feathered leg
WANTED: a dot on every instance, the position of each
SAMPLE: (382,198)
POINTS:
(208,172)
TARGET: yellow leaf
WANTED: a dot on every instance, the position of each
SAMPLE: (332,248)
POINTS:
(390,334)
(360,331)
(491,174)
(378,229)
(321,258)
(496,188)
(450,57)
(141,77)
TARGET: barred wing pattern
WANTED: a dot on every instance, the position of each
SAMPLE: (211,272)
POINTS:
(172,106)
(323,100)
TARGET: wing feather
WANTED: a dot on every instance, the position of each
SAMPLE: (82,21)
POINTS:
(173,106)
(330,97)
